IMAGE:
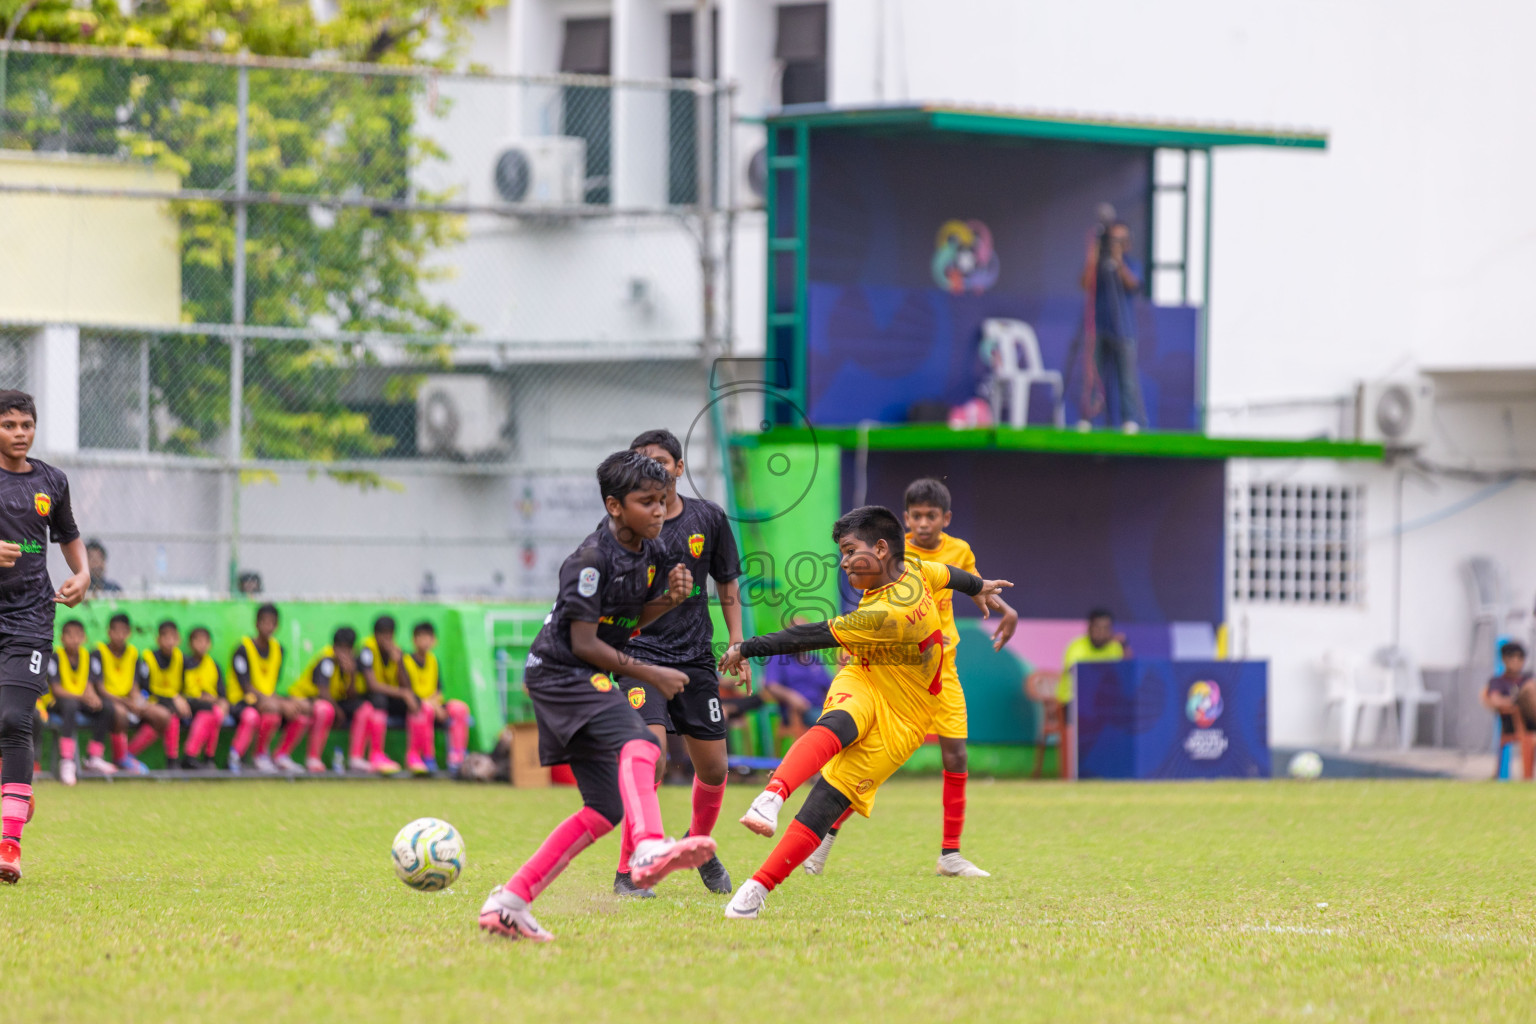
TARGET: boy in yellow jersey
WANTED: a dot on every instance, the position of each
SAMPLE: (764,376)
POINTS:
(928,515)
(881,703)
(115,666)
(254,670)
(331,686)
(203,687)
(160,673)
(420,674)
(69,683)
(379,661)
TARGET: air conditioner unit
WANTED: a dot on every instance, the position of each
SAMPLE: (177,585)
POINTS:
(753,190)
(545,170)
(1395,412)
(463,416)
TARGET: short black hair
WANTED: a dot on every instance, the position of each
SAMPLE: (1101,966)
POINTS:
(346,636)
(267,609)
(1511,647)
(871,523)
(384,624)
(199,629)
(76,623)
(1100,613)
(624,472)
(424,627)
(12,400)
(166,624)
(119,617)
(927,491)
(95,545)
(663,439)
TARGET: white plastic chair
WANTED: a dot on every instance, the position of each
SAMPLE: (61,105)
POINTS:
(1014,354)
(1408,685)
(1353,688)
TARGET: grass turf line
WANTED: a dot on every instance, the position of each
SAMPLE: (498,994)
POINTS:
(271,901)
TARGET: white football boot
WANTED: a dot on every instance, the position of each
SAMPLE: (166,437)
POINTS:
(506,914)
(952,865)
(763,816)
(749,899)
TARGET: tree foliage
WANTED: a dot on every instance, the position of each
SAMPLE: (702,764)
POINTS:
(320,266)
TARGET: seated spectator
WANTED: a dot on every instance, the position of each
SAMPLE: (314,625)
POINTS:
(1101,643)
(798,683)
(96,562)
(1513,692)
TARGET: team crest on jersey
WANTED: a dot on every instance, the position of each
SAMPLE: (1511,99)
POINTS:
(695,544)
(586,583)
(865,786)
(601,683)
(637,697)
(650,575)
(43,503)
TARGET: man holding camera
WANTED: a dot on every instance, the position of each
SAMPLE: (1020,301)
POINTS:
(1112,277)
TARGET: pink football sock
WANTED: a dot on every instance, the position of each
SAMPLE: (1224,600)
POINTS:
(569,838)
(637,787)
(95,749)
(706,806)
(420,734)
(119,747)
(66,746)
(266,728)
(361,725)
(378,722)
(627,842)
(208,740)
(14,798)
(172,739)
(458,732)
(245,730)
(142,739)
(325,714)
(291,736)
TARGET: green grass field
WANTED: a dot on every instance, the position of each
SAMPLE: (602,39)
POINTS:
(275,901)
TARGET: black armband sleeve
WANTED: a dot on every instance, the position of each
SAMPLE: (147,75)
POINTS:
(810,636)
(964,582)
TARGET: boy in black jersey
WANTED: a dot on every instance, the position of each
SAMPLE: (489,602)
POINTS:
(34,510)
(611,586)
(696,533)
(74,698)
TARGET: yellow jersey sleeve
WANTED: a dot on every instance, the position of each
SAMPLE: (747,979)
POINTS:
(936,576)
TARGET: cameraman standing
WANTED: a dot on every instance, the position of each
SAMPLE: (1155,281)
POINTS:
(1113,277)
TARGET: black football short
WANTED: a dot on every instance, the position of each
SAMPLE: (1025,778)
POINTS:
(695,712)
(24,662)
(581,715)
(348,707)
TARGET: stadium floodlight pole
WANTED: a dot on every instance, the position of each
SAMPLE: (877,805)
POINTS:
(237,319)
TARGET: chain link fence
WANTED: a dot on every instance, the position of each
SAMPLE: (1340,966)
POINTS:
(349,330)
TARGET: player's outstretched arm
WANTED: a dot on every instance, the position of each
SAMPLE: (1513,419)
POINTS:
(730,608)
(592,649)
(679,586)
(72,591)
(808,636)
(974,586)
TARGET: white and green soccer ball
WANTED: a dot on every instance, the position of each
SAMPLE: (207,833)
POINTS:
(428,854)
(1306,765)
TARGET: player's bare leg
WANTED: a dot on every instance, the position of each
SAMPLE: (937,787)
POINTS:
(710,772)
(951,863)
(623,883)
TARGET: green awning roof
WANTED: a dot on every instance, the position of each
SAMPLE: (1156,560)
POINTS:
(1149,444)
(1042,125)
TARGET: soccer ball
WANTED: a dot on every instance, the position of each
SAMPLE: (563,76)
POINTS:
(1306,765)
(428,854)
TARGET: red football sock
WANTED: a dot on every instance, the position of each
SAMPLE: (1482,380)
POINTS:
(569,838)
(15,801)
(66,746)
(320,729)
(361,723)
(637,787)
(458,732)
(798,843)
(245,731)
(954,809)
(706,806)
(172,738)
(142,739)
(119,747)
(291,736)
(805,758)
(840,819)
(266,728)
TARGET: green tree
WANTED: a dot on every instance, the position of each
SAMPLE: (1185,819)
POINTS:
(318,266)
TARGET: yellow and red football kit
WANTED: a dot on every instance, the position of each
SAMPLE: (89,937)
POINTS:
(950,721)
